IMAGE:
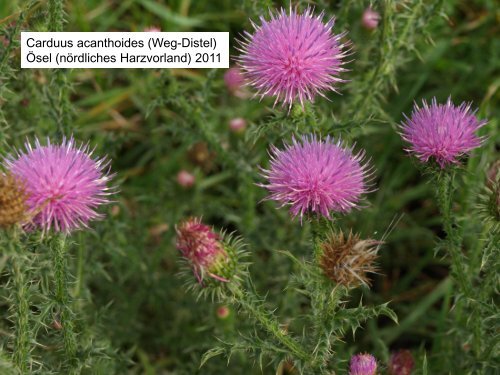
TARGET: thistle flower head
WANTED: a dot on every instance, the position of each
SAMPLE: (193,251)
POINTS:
(293,57)
(202,248)
(442,132)
(363,364)
(316,176)
(401,363)
(12,201)
(64,184)
(347,260)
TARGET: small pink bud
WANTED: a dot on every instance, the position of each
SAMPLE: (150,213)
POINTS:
(152,29)
(185,179)
(223,312)
(363,364)
(234,80)
(370,19)
(401,363)
(237,125)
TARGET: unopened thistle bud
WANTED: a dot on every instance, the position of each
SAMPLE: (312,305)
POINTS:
(234,80)
(204,250)
(489,199)
(347,260)
(237,125)
(401,363)
(185,179)
(370,19)
(13,209)
(363,364)
(223,312)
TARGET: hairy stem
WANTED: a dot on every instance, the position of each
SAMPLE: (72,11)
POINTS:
(60,87)
(251,304)
(444,195)
(21,355)
(62,297)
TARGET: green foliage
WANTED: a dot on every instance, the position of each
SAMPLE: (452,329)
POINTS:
(110,301)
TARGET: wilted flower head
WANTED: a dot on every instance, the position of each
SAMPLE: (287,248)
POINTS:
(12,201)
(293,56)
(64,184)
(442,132)
(348,260)
(401,363)
(363,364)
(202,248)
(317,176)
(233,79)
(370,19)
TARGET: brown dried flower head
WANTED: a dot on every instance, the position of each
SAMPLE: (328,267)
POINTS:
(13,208)
(346,260)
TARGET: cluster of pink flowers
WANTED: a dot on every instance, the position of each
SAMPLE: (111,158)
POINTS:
(64,184)
(295,57)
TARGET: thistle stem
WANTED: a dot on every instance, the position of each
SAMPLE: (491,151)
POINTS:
(62,297)
(444,195)
(22,314)
(252,305)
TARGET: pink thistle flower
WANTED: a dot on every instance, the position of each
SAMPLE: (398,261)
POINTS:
(293,56)
(370,19)
(64,184)
(316,176)
(401,363)
(185,179)
(237,125)
(234,80)
(363,364)
(201,247)
(442,132)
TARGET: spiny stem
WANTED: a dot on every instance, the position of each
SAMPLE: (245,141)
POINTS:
(444,195)
(59,100)
(21,355)
(56,15)
(252,305)
(62,297)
